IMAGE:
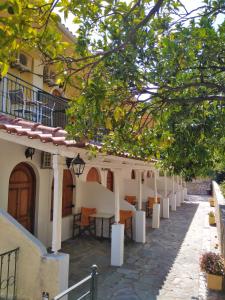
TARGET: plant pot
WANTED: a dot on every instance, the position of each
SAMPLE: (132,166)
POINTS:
(212,220)
(212,203)
(214,282)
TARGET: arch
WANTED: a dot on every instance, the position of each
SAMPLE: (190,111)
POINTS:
(93,175)
(21,197)
(133,175)
(110,180)
(148,174)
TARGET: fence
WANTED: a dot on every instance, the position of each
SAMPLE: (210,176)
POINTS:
(21,99)
(8,267)
(90,294)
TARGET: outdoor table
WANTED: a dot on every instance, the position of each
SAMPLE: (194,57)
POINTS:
(102,217)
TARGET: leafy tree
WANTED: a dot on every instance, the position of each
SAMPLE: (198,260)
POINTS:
(150,74)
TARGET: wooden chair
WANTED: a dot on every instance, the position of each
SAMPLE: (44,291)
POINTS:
(149,205)
(126,218)
(131,199)
(83,222)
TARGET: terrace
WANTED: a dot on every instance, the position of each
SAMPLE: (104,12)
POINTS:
(23,100)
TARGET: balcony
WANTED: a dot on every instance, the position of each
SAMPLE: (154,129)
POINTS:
(20,99)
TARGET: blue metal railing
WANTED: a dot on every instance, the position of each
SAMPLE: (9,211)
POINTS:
(18,98)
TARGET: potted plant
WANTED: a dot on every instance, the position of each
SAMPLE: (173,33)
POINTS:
(212,202)
(213,264)
(212,220)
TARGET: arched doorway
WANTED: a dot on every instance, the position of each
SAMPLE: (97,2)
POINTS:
(21,199)
(93,175)
(110,180)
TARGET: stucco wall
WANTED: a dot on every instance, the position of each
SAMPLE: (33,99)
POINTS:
(37,271)
(12,154)
(220,215)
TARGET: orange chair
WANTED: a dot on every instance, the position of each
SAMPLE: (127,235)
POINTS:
(126,217)
(131,199)
(149,205)
(83,222)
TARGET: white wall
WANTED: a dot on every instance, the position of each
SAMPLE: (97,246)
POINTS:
(94,195)
(37,271)
(12,154)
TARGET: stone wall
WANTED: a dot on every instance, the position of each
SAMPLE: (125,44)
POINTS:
(199,187)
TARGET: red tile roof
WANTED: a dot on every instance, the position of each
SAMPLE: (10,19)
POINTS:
(45,134)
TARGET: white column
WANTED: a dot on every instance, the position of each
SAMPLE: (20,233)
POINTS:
(117,194)
(104,173)
(166,201)
(156,207)
(185,190)
(57,202)
(117,238)
(178,193)
(174,200)
(139,190)
(182,190)
(140,219)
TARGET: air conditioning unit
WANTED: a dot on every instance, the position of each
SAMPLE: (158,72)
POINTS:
(46,160)
(23,63)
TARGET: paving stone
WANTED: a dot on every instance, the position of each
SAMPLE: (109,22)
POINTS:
(166,267)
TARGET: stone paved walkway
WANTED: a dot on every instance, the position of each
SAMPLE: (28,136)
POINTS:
(166,267)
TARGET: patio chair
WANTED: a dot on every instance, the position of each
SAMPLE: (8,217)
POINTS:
(131,199)
(47,107)
(20,106)
(149,205)
(82,222)
(126,218)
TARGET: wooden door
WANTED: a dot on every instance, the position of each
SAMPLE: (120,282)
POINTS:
(93,175)
(67,197)
(67,194)
(21,199)
(110,180)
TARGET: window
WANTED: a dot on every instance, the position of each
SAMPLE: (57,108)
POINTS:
(23,59)
(133,174)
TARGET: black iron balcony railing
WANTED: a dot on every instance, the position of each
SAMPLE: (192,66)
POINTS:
(8,268)
(21,99)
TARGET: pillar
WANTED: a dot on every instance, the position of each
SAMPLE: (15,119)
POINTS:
(140,219)
(174,198)
(104,173)
(156,207)
(117,238)
(57,202)
(166,201)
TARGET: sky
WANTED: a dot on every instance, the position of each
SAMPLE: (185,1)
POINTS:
(189,4)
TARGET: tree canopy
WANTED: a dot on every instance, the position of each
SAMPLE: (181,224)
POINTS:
(150,74)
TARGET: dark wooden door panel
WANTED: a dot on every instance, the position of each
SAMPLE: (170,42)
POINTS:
(21,201)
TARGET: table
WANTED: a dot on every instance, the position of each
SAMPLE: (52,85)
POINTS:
(102,217)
